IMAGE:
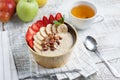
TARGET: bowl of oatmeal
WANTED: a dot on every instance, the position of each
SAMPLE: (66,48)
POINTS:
(51,45)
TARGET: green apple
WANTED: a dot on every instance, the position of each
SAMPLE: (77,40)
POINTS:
(27,10)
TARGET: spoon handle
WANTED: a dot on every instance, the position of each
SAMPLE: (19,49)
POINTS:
(112,69)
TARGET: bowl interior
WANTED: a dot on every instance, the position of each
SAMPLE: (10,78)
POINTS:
(73,32)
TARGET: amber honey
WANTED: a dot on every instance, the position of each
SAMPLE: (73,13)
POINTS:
(83,11)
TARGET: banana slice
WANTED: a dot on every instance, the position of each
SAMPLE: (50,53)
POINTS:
(62,28)
(48,29)
(36,39)
(54,28)
(37,45)
(39,36)
(37,50)
(42,32)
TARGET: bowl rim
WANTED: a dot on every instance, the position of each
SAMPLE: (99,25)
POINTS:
(76,40)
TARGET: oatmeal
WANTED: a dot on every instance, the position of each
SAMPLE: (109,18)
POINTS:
(53,43)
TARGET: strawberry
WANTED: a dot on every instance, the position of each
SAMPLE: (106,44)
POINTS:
(40,24)
(58,16)
(35,27)
(31,43)
(30,33)
(51,19)
(29,37)
(45,20)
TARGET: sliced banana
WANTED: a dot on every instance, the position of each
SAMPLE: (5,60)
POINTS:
(36,39)
(54,28)
(39,36)
(49,29)
(37,45)
(42,32)
(36,49)
(62,28)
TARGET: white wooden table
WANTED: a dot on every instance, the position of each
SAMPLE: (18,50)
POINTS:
(109,9)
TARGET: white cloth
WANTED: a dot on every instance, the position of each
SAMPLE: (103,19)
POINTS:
(7,66)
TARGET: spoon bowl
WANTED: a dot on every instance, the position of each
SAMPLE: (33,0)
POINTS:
(90,43)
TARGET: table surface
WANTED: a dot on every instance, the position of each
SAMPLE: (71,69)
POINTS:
(109,9)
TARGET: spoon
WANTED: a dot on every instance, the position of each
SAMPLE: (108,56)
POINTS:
(91,44)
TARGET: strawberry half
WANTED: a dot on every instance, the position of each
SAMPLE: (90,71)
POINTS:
(40,24)
(51,19)
(35,27)
(31,43)
(45,20)
(29,37)
(30,33)
(58,16)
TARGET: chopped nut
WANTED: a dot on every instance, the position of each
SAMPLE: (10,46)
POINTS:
(51,36)
(56,37)
(52,49)
(51,42)
(45,49)
(48,44)
(52,46)
(44,42)
(60,38)
(54,33)
(58,42)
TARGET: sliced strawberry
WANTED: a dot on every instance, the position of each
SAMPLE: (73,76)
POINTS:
(51,19)
(58,16)
(35,27)
(45,20)
(40,24)
(30,33)
(31,43)
(29,37)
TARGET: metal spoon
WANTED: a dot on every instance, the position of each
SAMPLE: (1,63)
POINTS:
(91,44)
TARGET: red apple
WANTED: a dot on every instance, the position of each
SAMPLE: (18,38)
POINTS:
(7,9)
